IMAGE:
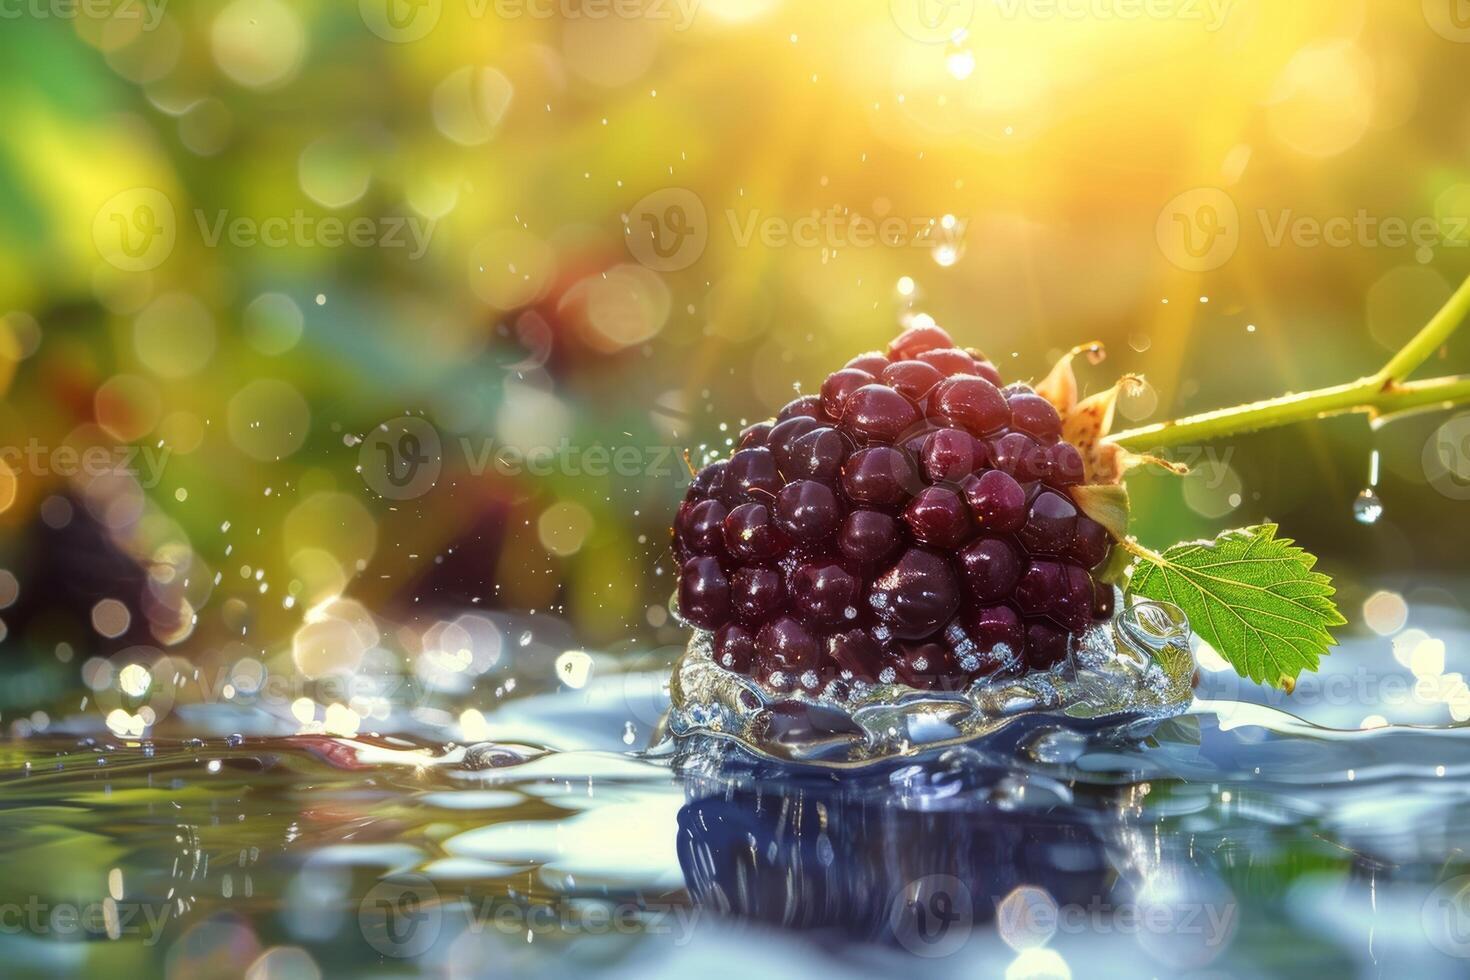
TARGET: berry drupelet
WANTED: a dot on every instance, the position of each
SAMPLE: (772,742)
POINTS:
(912,523)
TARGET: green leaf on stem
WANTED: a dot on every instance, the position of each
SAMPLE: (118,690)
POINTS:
(1250,595)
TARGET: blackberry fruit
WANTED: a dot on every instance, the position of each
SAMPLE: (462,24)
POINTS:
(912,523)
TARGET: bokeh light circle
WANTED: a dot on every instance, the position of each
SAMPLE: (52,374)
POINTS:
(268,419)
(258,43)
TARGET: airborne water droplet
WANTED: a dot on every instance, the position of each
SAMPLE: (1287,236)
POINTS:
(1368,506)
(630,734)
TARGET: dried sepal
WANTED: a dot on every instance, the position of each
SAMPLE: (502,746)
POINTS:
(1060,386)
(1106,503)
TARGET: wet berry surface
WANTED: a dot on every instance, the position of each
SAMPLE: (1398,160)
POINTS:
(911,523)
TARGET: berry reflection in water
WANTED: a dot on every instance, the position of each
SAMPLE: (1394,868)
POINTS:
(911,530)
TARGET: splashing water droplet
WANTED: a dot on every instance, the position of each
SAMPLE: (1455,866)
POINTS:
(1368,506)
(630,734)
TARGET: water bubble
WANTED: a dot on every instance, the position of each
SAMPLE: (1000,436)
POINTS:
(1368,506)
(573,668)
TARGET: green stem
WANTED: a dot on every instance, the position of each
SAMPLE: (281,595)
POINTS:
(1380,395)
(1431,338)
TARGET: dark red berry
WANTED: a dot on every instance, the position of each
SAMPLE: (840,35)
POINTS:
(987,371)
(997,501)
(917,595)
(916,340)
(872,362)
(734,648)
(926,666)
(751,534)
(1073,608)
(704,593)
(782,440)
(1091,544)
(756,594)
(991,569)
(948,361)
(808,406)
(912,524)
(751,475)
(877,413)
(818,455)
(1051,524)
(839,385)
(912,379)
(708,481)
(950,455)
(1034,414)
(995,626)
(753,436)
(856,653)
(973,404)
(1019,455)
(868,536)
(784,644)
(1046,644)
(1041,586)
(916,437)
(881,477)
(824,594)
(808,511)
(704,529)
(1065,468)
(938,517)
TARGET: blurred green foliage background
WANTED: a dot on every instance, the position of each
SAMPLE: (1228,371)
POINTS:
(238,240)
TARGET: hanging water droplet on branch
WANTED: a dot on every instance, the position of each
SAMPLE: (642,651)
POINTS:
(1368,506)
